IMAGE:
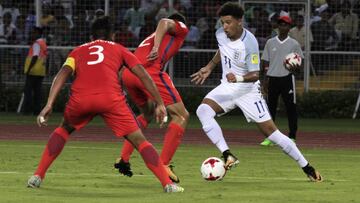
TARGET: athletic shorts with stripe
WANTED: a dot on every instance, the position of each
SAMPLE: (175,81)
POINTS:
(246,96)
(140,95)
(81,109)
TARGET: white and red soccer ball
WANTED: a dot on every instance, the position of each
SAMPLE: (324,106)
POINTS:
(213,169)
(292,59)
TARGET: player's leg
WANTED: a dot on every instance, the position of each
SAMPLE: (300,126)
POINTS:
(74,118)
(288,95)
(269,129)
(255,109)
(142,99)
(123,162)
(215,102)
(53,148)
(151,158)
(172,138)
(274,90)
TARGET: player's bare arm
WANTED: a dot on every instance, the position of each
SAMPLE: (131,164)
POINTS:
(32,63)
(164,26)
(200,76)
(56,86)
(248,77)
(160,110)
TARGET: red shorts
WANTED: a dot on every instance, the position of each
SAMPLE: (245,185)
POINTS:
(140,95)
(113,108)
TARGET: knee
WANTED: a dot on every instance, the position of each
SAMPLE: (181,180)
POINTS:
(204,111)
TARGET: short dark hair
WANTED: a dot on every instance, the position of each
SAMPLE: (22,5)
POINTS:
(38,30)
(102,28)
(178,17)
(231,9)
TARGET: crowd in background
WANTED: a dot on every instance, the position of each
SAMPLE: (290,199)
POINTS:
(334,23)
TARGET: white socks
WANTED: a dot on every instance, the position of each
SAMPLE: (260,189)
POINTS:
(212,129)
(288,146)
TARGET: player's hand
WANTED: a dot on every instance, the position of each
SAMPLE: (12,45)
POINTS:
(200,76)
(44,115)
(231,77)
(161,114)
(153,54)
(292,67)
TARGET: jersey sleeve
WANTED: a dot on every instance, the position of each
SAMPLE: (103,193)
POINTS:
(70,60)
(181,29)
(129,59)
(298,50)
(252,56)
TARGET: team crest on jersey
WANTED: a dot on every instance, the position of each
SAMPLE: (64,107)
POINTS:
(237,54)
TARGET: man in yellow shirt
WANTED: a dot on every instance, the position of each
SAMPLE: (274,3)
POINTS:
(35,71)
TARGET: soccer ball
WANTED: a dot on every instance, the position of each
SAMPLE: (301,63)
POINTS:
(213,169)
(292,59)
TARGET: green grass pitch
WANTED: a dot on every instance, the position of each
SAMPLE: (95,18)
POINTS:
(84,171)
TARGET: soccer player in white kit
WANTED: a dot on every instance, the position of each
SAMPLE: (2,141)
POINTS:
(240,87)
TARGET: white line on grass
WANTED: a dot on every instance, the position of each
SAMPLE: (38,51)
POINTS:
(147,176)
(179,150)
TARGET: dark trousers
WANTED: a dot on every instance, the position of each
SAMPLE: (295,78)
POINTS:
(284,86)
(32,94)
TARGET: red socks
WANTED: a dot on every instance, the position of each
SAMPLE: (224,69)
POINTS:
(153,162)
(172,140)
(53,148)
(128,148)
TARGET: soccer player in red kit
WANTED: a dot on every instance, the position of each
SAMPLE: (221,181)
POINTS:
(153,53)
(96,91)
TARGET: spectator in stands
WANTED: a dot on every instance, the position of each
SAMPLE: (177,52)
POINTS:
(324,33)
(208,39)
(147,29)
(7,30)
(29,11)
(20,35)
(193,36)
(135,18)
(124,36)
(347,23)
(99,13)
(273,18)
(260,26)
(35,71)
(325,38)
(10,7)
(298,32)
(209,11)
(81,31)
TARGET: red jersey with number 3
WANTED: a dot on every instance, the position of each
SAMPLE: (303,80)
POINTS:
(169,46)
(96,65)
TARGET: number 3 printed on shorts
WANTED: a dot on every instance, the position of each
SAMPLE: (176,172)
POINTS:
(98,52)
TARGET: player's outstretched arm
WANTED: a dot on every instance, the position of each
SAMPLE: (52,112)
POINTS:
(56,86)
(164,26)
(200,76)
(160,110)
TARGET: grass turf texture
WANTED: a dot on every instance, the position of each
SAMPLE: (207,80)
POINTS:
(84,173)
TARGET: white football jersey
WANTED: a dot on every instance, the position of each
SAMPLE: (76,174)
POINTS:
(232,55)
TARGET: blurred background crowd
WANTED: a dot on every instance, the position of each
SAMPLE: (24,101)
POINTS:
(334,23)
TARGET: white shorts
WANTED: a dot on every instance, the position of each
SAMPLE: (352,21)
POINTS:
(246,96)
